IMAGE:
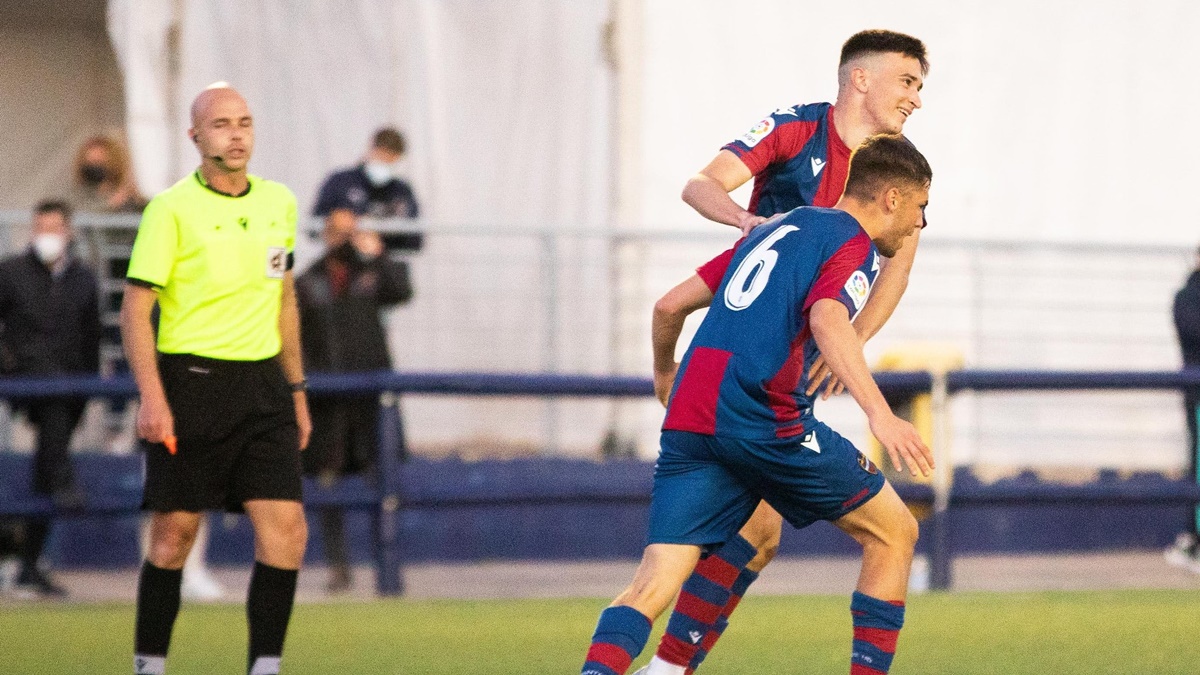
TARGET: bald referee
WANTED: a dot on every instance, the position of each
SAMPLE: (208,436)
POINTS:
(223,413)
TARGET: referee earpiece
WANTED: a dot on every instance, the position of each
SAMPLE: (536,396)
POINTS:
(216,158)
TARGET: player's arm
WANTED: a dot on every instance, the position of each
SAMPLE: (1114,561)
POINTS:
(708,192)
(839,343)
(885,296)
(154,421)
(667,323)
(289,355)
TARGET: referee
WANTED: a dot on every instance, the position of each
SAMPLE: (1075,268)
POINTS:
(223,408)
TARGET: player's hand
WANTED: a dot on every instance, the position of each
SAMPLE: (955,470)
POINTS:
(368,243)
(818,374)
(303,419)
(901,440)
(748,221)
(154,419)
(663,381)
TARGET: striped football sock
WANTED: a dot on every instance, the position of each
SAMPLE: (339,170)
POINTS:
(736,592)
(876,628)
(620,636)
(702,601)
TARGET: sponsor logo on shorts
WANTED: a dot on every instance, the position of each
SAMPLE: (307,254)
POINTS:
(810,441)
(866,464)
(758,132)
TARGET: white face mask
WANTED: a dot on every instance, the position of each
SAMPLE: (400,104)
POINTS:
(49,247)
(378,173)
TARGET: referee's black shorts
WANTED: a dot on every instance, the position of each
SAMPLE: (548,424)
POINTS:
(236,436)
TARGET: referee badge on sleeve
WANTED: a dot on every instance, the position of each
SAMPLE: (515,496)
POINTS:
(276,262)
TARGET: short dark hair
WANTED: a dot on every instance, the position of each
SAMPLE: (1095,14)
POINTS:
(390,139)
(54,206)
(885,161)
(878,41)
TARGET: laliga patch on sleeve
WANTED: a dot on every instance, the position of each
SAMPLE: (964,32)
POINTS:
(858,288)
(758,132)
(277,262)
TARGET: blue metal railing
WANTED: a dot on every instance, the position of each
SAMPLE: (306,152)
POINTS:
(386,500)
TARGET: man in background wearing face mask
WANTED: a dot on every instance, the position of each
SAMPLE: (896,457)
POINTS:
(51,326)
(340,298)
(371,188)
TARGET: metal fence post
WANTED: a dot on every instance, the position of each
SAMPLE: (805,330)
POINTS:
(389,573)
(941,557)
(550,357)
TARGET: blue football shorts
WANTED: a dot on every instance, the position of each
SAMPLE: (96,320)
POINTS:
(706,487)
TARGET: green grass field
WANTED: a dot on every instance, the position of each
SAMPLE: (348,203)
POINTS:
(1126,632)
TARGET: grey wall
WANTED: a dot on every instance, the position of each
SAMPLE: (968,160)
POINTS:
(59,83)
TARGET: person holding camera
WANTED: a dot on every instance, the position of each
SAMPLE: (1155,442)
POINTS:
(341,297)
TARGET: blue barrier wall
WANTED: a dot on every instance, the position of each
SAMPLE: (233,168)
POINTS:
(572,509)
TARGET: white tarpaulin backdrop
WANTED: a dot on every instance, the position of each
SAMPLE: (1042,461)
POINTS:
(1044,121)
(505,105)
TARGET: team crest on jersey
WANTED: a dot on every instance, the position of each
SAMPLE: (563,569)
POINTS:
(758,132)
(866,464)
(858,288)
(276,262)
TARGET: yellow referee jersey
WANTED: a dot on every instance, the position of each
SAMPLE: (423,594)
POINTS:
(218,262)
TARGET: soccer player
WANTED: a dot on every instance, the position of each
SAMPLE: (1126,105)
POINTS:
(739,426)
(798,156)
(223,412)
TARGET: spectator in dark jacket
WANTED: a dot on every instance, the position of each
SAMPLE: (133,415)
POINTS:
(1186,311)
(372,188)
(341,331)
(51,326)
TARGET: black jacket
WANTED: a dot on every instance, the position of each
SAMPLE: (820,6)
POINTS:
(351,189)
(343,332)
(49,324)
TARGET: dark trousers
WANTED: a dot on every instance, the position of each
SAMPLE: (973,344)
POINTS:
(55,421)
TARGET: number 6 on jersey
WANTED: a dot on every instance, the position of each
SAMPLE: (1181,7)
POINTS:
(751,276)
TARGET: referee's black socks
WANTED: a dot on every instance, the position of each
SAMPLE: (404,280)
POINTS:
(157,607)
(268,609)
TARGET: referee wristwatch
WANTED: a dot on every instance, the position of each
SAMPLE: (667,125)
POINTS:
(302,385)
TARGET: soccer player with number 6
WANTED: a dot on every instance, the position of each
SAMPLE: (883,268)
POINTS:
(797,156)
(740,429)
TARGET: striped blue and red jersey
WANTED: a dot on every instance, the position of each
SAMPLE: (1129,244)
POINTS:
(796,157)
(744,374)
